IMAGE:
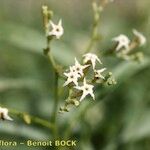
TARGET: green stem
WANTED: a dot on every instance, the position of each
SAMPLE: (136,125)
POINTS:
(94,36)
(56,100)
(33,119)
(55,110)
(56,71)
(52,60)
(57,68)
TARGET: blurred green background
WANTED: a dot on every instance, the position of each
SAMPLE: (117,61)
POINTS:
(119,121)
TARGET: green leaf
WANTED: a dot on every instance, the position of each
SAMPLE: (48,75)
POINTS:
(138,128)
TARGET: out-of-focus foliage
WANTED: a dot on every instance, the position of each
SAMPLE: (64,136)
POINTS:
(120,120)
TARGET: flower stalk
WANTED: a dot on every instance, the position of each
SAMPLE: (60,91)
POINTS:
(47,16)
(29,119)
(94,35)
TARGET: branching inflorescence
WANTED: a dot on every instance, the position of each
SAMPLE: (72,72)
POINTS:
(82,77)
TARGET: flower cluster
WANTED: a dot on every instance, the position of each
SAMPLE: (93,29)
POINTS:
(80,78)
(124,45)
(4,114)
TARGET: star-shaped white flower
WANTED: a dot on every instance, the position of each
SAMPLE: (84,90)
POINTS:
(57,30)
(98,73)
(141,38)
(86,89)
(4,114)
(123,42)
(72,77)
(92,58)
(78,68)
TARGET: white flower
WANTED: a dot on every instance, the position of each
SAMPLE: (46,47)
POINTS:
(123,42)
(86,89)
(72,77)
(78,68)
(4,114)
(141,38)
(92,58)
(98,73)
(57,30)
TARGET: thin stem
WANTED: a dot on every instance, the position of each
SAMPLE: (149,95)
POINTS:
(56,72)
(94,36)
(97,9)
(33,119)
(56,100)
(47,14)
(52,60)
